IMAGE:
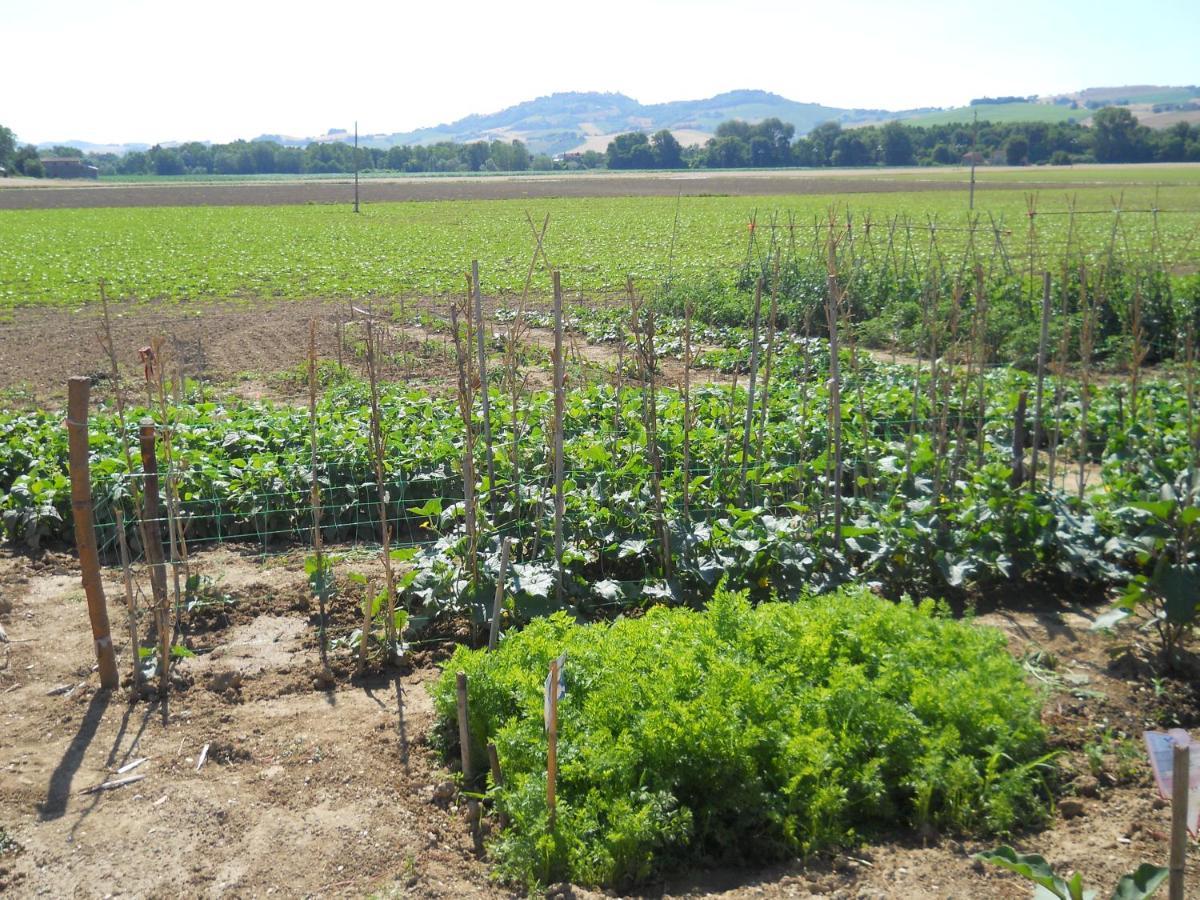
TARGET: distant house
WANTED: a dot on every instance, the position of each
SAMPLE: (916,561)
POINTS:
(68,167)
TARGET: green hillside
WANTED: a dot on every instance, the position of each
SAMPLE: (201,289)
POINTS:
(1000,112)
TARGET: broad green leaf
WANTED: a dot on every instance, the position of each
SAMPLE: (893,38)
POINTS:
(1141,883)
(1031,866)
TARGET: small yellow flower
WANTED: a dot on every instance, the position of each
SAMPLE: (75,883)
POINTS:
(762,582)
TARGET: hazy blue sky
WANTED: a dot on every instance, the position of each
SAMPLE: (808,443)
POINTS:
(137,70)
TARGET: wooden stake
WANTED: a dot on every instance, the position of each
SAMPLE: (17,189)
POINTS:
(78,390)
(758,286)
(552,744)
(498,605)
(130,603)
(687,417)
(1180,776)
(559,410)
(462,356)
(464,726)
(483,388)
(494,764)
(835,404)
(315,494)
(153,548)
(378,451)
(1043,340)
(1018,442)
(765,402)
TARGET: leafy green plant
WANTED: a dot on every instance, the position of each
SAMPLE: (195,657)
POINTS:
(202,594)
(1134,886)
(1167,595)
(821,722)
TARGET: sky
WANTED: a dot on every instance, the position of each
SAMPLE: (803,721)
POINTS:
(117,71)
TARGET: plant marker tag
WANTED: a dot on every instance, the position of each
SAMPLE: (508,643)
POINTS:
(561,691)
(1161,746)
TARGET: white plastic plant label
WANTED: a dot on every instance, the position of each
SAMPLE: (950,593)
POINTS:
(1161,746)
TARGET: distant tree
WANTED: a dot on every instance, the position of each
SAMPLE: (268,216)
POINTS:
(1016,151)
(1172,143)
(762,152)
(197,158)
(8,146)
(779,136)
(735,128)
(26,161)
(668,154)
(850,150)
(728,152)
(477,155)
(263,155)
(289,160)
(823,137)
(802,153)
(1116,135)
(942,155)
(165,161)
(1060,158)
(591,159)
(64,150)
(896,145)
(630,151)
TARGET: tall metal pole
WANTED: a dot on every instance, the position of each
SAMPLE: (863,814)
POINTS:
(974,159)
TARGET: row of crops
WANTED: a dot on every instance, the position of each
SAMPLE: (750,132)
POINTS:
(192,254)
(926,484)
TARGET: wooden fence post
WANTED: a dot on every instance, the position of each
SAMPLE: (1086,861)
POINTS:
(1180,778)
(464,726)
(78,391)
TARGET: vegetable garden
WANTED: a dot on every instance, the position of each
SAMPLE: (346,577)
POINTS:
(719,516)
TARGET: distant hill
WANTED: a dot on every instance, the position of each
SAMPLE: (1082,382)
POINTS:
(1144,101)
(576,121)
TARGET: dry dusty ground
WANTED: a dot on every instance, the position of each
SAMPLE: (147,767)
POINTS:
(246,347)
(35,194)
(337,792)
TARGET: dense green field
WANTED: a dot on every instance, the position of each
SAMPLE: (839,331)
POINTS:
(58,256)
(1002,112)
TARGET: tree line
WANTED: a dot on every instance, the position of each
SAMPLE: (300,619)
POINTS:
(1115,136)
(264,157)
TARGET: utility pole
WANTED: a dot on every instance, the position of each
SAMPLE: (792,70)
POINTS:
(356,166)
(974,159)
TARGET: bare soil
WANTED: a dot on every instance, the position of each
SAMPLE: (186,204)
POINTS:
(30,194)
(256,350)
(336,791)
